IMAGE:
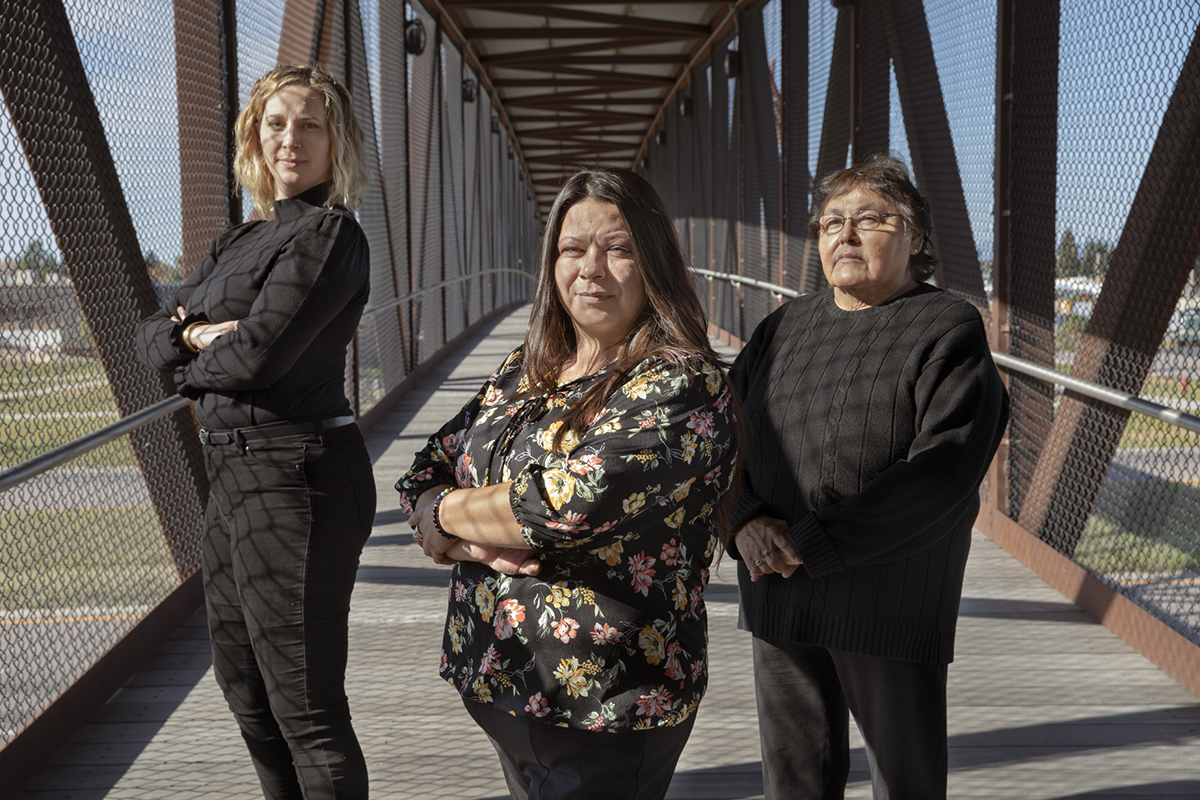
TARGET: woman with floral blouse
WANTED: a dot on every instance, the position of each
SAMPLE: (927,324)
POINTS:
(578,497)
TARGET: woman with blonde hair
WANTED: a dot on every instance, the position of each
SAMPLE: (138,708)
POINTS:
(257,336)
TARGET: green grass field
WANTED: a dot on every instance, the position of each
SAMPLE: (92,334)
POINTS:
(82,557)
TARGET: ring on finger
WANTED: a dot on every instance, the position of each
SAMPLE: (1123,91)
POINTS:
(417,536)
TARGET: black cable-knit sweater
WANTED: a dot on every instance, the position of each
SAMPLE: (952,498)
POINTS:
(871,431)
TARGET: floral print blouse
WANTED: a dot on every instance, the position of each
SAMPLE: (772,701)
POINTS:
(612,635)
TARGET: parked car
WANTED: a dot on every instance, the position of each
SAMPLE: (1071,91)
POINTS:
(1184,327)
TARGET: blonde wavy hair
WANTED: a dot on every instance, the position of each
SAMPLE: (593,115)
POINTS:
(349,172)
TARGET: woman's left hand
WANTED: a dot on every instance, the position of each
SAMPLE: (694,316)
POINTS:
(766,546)
(508,560)
(433,543)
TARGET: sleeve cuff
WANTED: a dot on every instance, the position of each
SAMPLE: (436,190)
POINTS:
(176,333)
(814,548)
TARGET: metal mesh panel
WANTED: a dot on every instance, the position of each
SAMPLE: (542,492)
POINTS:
(1123,498)
(761,140)
(91,231)
(454,258)
(425,185)
(1102,254)
(964,44)
(384,337)
(472,208)
(725,208)
(110,202)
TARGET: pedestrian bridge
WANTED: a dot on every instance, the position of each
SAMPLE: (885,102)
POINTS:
(1045,703)
(1059,144)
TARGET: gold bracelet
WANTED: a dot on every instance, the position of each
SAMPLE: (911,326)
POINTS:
(186,337)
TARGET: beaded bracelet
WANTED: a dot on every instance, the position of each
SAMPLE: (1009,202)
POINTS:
(437,522)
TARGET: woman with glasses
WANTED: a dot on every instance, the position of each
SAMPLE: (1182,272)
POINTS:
(873,409)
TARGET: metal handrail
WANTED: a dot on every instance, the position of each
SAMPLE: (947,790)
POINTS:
(771,287)
(77,447)
(88,442)
(1096,391)
(449,281)
(1115,397)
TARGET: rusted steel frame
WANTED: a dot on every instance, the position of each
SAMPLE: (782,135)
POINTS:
(559,97)
(835,129)
(931,145)
(623,21)
(703,173)
(232,102)
(602,118)
(737,185)
(552,55)
(1033,182)
(760,155)
(872,116)
(578,146)
(854,12)
(443,140)
(633,36)
(1169,650)
(300,33)
(795,178)
(204,65)
(587,78)
(58,125)
(628,59)
(998,333)
(30,750)
(383,230)
(393,146)
(1149,268)
(615,79)
(724,236)
(572,133)
(496,5)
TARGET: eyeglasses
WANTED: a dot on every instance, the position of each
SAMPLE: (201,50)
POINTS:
(832,224)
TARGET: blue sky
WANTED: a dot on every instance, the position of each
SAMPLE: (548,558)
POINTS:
(1119,63)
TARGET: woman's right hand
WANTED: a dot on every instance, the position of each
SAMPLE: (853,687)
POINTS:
(508,560)
(766,546)
(202,334)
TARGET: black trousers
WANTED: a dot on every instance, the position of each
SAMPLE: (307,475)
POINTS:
(544,762)
(805,695)
(286,520)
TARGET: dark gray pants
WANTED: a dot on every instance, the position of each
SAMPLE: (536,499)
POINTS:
(286,522)
(805,696)
(544,762)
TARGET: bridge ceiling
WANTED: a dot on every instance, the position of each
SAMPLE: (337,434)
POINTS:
(580,81)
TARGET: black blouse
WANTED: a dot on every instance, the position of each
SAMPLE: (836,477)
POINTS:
(297,284)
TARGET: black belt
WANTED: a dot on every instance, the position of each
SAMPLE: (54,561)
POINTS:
(273,430)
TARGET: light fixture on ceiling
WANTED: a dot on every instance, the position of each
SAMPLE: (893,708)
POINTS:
(660,138)
(495,123)
(468,90)
(414,37)
(685,106)
(733,63)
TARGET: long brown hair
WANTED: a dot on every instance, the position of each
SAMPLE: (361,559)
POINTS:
(672,325)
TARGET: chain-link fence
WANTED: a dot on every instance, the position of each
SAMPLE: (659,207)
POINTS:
(115,152)
(1091,200)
